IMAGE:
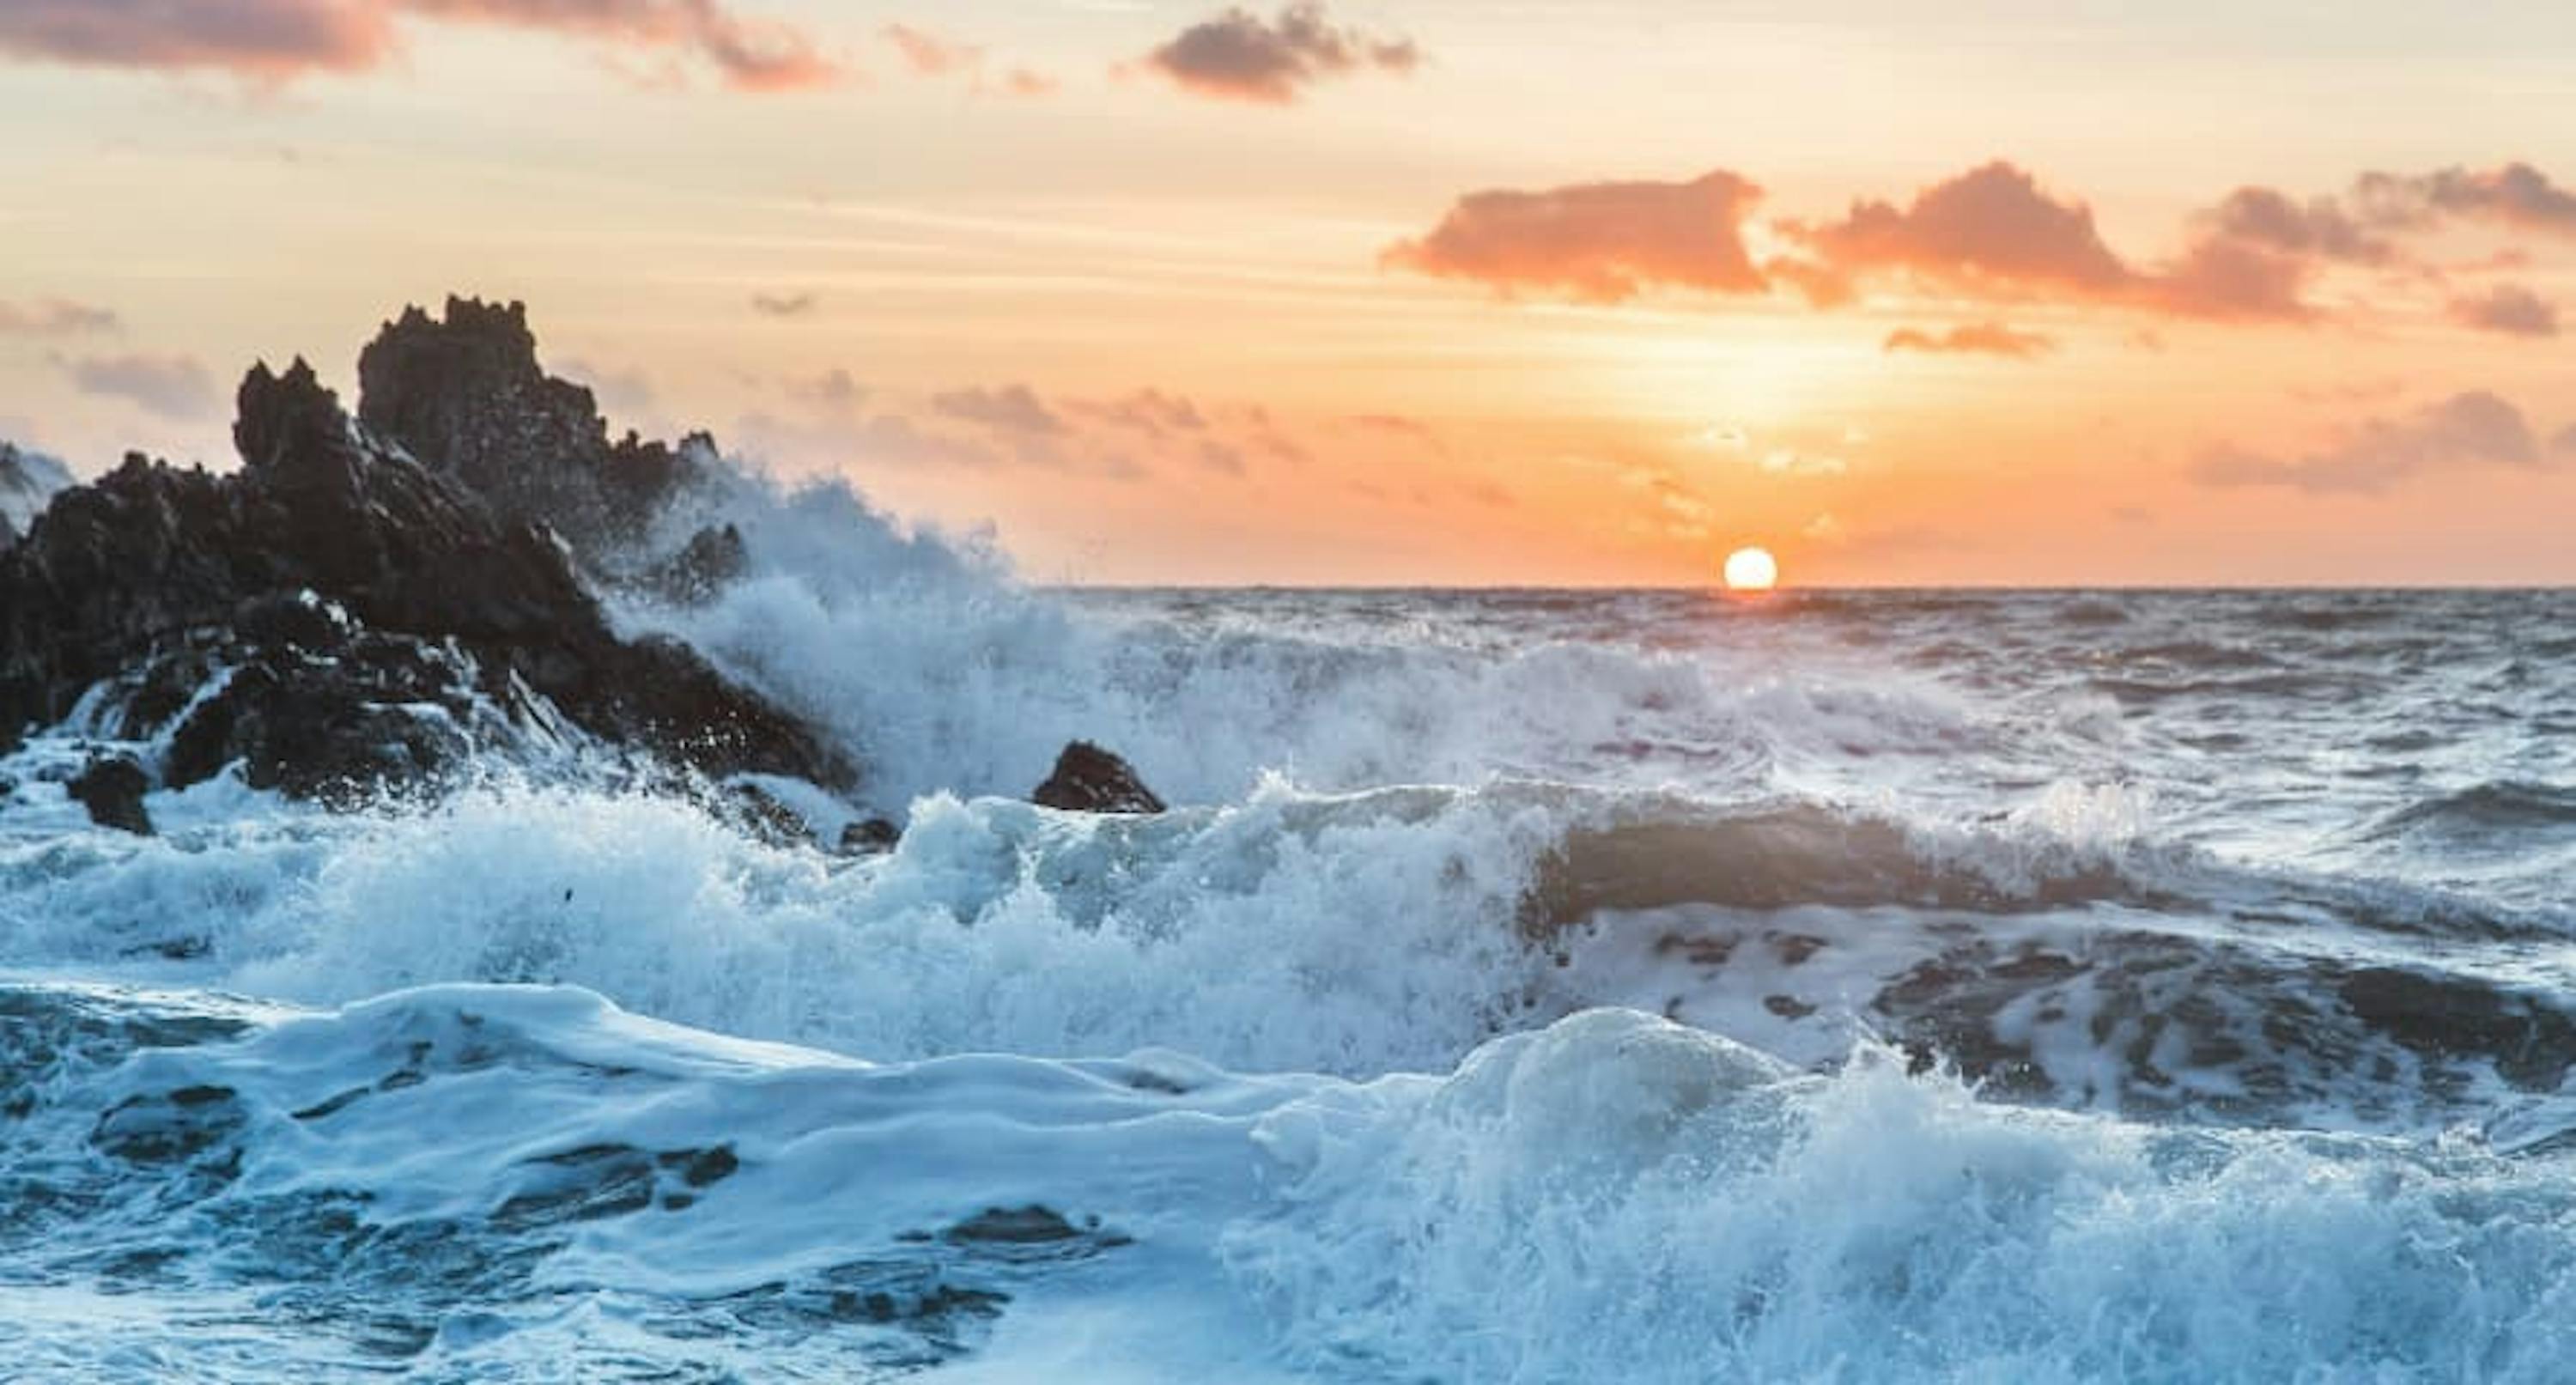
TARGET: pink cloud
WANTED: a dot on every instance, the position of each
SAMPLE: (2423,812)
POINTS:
(1601,242)
(2510,309)
(1990,231)
(1978,338)
(1239,56)
(272,41)
(2476,428)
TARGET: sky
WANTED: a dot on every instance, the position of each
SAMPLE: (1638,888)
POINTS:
(1508,292)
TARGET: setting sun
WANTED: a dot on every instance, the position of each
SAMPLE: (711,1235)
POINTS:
(1752,570)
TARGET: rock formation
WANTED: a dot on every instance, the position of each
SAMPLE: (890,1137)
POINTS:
(341,614)
(466,396)
(1088,779)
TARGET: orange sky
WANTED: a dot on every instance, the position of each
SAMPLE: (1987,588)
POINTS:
(1391,293)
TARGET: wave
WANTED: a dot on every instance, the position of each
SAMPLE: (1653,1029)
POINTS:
(2062,956)
(2494,811)
(1609,1196)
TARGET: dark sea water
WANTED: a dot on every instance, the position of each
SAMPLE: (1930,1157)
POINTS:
(1527,986)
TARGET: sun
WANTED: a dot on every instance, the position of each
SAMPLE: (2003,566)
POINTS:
(1752,570)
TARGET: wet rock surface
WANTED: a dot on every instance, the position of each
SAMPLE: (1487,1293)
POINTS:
(112,789)
(340,614)
(1088,779)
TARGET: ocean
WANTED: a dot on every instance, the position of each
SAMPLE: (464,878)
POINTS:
(1524,986)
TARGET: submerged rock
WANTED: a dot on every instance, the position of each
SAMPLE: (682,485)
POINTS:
(112,789)
(870,837)
(1088,779)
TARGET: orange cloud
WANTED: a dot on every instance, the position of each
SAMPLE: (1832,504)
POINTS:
(1239,56)
(1993,234)
(1976,338)
(1990,231)
(2514,194)
(2477,428)
(2510,309)
(783,304)
(2320,226)
(279,40)
(1602,242)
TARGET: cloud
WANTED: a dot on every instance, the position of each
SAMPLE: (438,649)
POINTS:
(1601,242)
(1991,234)
(53,317)
(1239,56)
(1978,338)
(2473,429)
(1149,411)
(1786,461)
(1009,409)
(2510,309)
(276,41)
(884,439)
(171,386)
(623,394)
(834,389)
(2320,226)
(2226,278)
(2514,194)
(929,54)
(783,304)
(1023,81)
(1989,231)
(1994,234)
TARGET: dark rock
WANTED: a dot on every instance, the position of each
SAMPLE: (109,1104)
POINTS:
(764,816)
(351,617)
(2531,1043)
(1088,779)
(870,837)
(466,396)
(112,789)
(712,558)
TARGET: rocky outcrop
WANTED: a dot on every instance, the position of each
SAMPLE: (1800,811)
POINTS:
(1088,779)
(464,394)
(341,614)
(111,788)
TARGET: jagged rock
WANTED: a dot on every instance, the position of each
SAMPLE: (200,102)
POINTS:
(713,557)
(1088,779)
(870,837)
(764,815)
(112,789)
(465,395)
(430,619)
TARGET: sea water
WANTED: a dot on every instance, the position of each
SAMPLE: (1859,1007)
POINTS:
(1525,986)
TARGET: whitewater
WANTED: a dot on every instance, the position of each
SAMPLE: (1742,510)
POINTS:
(1524,986)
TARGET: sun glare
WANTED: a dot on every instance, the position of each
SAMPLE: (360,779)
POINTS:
(1751,570)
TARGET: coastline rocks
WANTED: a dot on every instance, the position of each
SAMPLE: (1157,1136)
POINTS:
(339,615)
(112,789)
(1088,779)
(464,394)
